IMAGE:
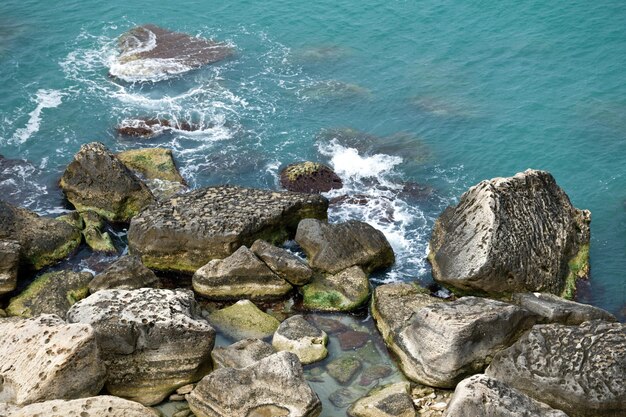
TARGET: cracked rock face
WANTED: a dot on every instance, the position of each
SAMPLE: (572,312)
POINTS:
(187,231)
(153,341)
(126,273)
(555,309)
(9,265)
(241,354)
(285,264)
(578,369)
(296,335)
(274,386)
(44,359)
(100,406)
(389,401)
(512,235)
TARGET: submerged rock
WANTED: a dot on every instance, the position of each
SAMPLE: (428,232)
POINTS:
(9,265)
(244,320)
(147,127)
(285,264)
(351,339)
(309,177)
(388,401)
(241,354)
(344,368)
(153,341)
(578,369)
(374,373)
(100,406)
(274,386)
(187,231)
(96,180)
(126,273)
(555,309)
(512,235)
(45,359)
(296,335)
(345,291)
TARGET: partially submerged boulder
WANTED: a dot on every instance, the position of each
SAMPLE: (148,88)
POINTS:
(296,335)
(44,359)
(244,320)
(100,406)
(512,235)
(284,264)
(149,127)
(9,265)
(555,309)
(388,401)
(241,354)
(97,180)
(345,291)
(309,177)
(274,386)
(95,236)
(126,273)
(187,231)
(153,341)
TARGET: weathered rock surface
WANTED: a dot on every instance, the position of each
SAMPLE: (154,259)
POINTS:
(51,293)
(284,264)
(344,368)
(274,386)
(43,240)
(335,247)
(244,320)
(480,395)
(512,235)
(96,180)
(345,291)
(352,339)
(153,341)
(187,231)
(126,273)
(100,406)
(389,401)
(44,359)
(241,354)
(95,236)
(241,275)
(9,265)
(296,335)
(555,309)
(309,177)
(578,369)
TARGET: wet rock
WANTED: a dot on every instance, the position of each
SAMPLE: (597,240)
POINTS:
(241,275)
(44,359)
(152,163)
(309,177)
(147,127)
(285,264)
(577,369)
(555,309)
(351,339)
(98,181)
(389,401)
(374,373)
(244,320)
(100,406)
(344,368)
(345,291)
(296,335)
(44,241)
(329,325)
(241,354)
(126,273)
(95,237)
(187,231)
(51,293)
(335,247)
(335,90)
(9,265)
(274,386)
(512,234)
(343,397)
(480,395)
(153,341)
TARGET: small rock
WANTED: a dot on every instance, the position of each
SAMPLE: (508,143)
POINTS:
(351,339)
(389,401)
(9,264)
(177,397)
(100,406)
(186,389)
(309,177)
(555,309)
(296,335)
(241,354)
(344,368)
(244,320)
(285,264)
(126,273)
(345,291)
(329,325)
(343,397)
(374,373)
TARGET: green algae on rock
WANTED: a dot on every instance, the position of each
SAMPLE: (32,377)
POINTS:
(344,368)
(244,320)
(9,265)
(344,291)
(152,163)
(95,238)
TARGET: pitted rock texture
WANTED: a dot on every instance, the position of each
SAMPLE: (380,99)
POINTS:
(480,395)
(126,273)
(285,264)
(43,240)
(96,180)
(578,369)
(389,401)
(153,341)
(244,320)
(309,177)
(44,359)
(555,309)
(241,354)
(274,386)
(241,275)
(335,247)
(100,406)
(187,231)
(512,235)
(9,265)
(296,335)
(344,291)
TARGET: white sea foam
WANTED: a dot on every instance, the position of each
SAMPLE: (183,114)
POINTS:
(45,99)
(154,69)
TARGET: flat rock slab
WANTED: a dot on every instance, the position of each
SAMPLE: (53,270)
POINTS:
(344,291)
(187,231)
(335,247)
(285,264)
(296,335)
(153,341)
(100,406)
(152,163)
(389,401)
(241,354)
(9,265)
(244,320)
(126,273)
(344,368)
(480,395)
(578,369)
(44,359)
(274,386)
(555,309)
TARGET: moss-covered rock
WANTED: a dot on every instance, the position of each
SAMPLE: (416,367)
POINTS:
(309,177)
(344,368)
(578,269)
(152,163)
(95,238)
(244,320)
(345,291)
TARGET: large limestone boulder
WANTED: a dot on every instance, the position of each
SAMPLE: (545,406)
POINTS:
(98,181)
(9,265)
(388,401)
(126,273)
(335,247)
(274,386)
(480,395)
(51,293)
(512,234)
(44,359)
(296,335)
(187,231)
(554,309)
(244,320)
(100,406)
(43,240)
(153,341)
(241,354)
(241,275)
(309,177)
(578,369)
(344,291)
(284,264)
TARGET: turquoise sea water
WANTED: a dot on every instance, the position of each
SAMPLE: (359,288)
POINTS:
(455,91)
